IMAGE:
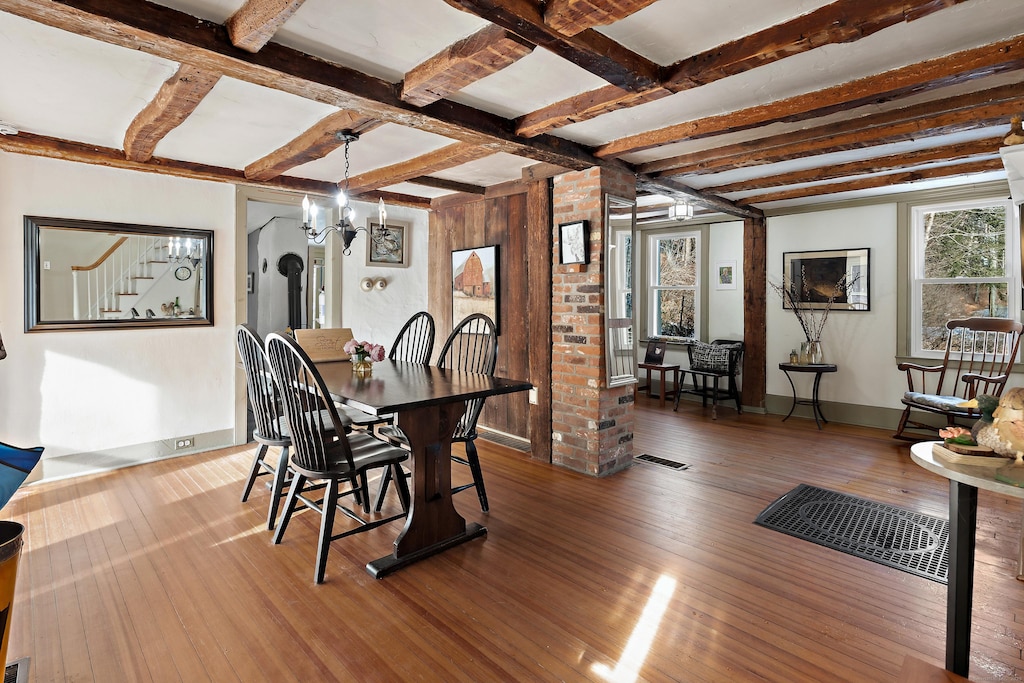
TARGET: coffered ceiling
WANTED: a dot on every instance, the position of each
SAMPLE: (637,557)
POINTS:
(739,105)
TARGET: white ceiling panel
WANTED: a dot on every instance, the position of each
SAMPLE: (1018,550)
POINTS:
(491,170)
(238,123)
(671,30)
(62,85)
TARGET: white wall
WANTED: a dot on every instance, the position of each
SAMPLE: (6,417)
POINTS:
(377,316)
(725,306)
(93,392)
(861,343)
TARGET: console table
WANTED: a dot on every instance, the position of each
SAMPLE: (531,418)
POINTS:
(818,369)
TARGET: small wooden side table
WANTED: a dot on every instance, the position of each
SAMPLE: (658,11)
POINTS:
(818,369)
(663,369)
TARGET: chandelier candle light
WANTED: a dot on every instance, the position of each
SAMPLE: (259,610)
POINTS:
(383,241)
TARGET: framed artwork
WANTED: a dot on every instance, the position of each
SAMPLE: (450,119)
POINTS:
(656,351)
(475,284)
(725,275)
(573,242)
(821,279)
(399,232)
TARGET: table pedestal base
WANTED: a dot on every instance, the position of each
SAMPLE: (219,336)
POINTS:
(383,566)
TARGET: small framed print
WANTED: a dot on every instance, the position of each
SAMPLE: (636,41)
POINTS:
(573,242)
(395,253)
(725,275)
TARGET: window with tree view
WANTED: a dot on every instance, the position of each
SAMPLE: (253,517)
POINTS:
(962,267)
(674,265)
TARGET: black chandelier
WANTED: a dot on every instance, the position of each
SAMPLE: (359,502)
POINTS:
(383,241)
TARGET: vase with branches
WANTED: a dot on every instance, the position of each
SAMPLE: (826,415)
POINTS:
(796,297)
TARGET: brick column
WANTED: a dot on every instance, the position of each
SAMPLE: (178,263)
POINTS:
(592,424)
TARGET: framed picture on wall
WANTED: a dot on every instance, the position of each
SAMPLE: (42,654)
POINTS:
(813,277)
(475,284)
(573,242)
(386,254)
(725,275)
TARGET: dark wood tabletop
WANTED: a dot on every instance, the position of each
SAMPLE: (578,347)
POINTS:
(396,386)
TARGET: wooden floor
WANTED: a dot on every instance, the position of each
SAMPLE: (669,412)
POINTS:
(159,573)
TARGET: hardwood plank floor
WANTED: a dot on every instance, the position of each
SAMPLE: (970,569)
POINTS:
(159,573)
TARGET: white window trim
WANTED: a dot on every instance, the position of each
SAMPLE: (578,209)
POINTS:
(652,287)
(1011,263)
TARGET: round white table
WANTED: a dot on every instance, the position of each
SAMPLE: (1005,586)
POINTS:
(964,482)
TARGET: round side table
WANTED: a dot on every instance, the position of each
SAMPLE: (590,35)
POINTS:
(818,369)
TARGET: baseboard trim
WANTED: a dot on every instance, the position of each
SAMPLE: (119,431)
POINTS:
(94,462)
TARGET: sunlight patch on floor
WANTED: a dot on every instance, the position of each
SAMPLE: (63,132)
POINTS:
(633,656)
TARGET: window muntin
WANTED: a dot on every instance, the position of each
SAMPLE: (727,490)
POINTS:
(962,267)
(674,282)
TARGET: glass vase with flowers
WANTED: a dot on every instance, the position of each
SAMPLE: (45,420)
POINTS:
(364,354)
(796,297)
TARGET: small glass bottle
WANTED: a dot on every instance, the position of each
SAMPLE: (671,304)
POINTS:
(793,357)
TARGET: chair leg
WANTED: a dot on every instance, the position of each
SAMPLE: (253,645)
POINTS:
(403,487)
(298,481)
(903,424)
(735,395)
(385,479)
(277,489)
(478,475)
(362,493)
(328,508)
(254,471)
(714,401)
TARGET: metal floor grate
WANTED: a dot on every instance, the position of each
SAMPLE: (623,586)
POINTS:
(664,462)
(889,535)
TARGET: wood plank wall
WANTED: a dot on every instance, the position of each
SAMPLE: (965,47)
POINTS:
(524,290)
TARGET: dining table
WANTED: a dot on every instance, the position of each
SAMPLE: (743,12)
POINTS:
(428,402)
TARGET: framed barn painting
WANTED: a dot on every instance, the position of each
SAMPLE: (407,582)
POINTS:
(475,284)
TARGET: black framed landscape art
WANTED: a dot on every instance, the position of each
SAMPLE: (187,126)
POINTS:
(475,284)
(838,279)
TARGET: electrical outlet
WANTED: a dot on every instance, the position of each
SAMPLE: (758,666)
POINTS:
(533,396)
(46,265)
(184,442)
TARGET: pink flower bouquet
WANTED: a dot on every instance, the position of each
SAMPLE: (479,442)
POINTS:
(363,350)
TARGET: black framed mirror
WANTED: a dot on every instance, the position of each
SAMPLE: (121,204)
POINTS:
(82,275)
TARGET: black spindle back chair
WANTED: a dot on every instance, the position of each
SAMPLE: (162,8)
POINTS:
(415,341)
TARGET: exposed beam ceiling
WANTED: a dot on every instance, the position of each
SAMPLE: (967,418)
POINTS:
(444,107)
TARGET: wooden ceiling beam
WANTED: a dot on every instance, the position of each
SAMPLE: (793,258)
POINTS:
(928,119)
(255,23)
(931,74)
(843,21)
(570,17)
(442,184)
(886,164)
(966,168)
(315,143)
(672,188)
(828,24)
(589,49)
(438,160)
(484,53)
(177,98)
(174,35)
(67,150)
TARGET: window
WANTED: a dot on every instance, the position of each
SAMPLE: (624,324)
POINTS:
(673,280)
(962,267)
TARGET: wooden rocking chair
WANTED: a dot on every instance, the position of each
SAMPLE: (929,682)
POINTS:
(980,353)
